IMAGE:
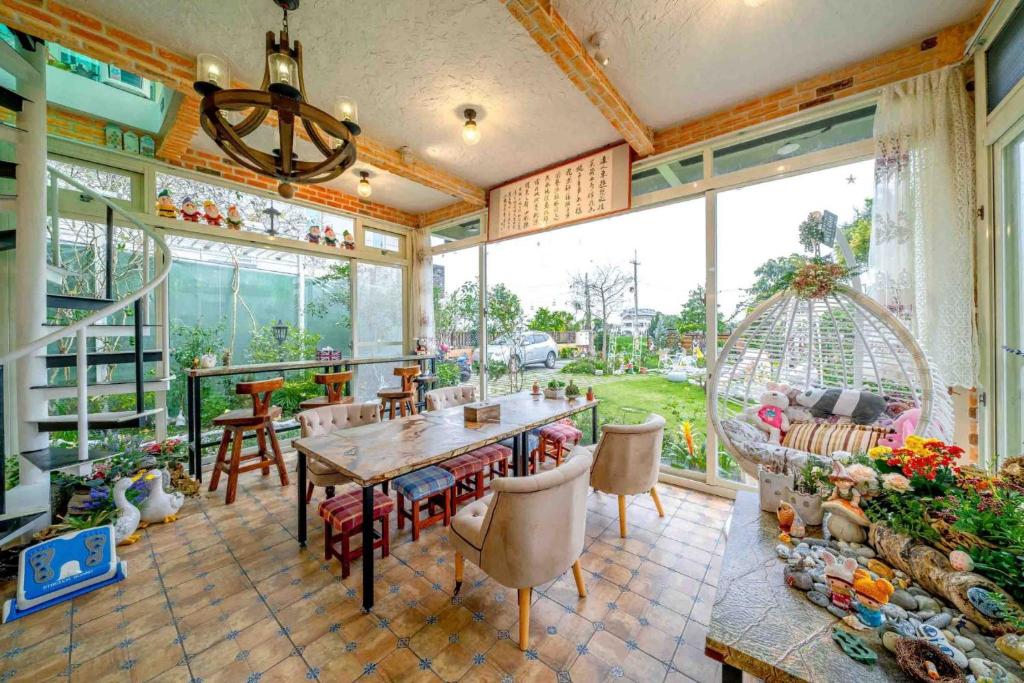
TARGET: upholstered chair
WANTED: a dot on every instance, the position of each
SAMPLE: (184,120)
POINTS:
(529,531)
(331,418)
(626,462)
(439,399)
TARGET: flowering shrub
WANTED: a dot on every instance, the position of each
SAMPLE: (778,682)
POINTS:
(818,278)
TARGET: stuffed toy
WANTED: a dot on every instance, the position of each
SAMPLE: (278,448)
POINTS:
(770,415)
(862,407)
(902,427)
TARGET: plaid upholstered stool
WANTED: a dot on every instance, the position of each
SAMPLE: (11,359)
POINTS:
(554,442)
(494,458)
(345,514)
(468,472)
(431,484)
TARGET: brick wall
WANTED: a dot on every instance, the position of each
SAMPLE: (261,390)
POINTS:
(446,213)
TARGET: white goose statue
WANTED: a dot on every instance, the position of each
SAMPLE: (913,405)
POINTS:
(128,517)
(160,506)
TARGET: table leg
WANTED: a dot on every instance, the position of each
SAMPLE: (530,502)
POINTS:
(301,497)
(593,425)
(368,548)
(730,674)
(191,427)
(197,418)
(524,454)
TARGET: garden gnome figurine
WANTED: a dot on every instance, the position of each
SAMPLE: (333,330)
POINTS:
(189,211)
(845,521)
(329,237)
(165,205)
(871,594)
(348,240)
(839,577)
(234,218)
(211,213)
(313,236)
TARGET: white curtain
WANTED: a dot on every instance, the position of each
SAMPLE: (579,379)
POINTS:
(922,238)
(423,289)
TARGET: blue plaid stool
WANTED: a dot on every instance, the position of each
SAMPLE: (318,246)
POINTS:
(431,484)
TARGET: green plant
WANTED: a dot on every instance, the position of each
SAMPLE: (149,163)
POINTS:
(902,513)
(812,479)
(583,366)
(1005,568)
(447,374)
(556,384)
(567,352)
(298,345)
(571,390)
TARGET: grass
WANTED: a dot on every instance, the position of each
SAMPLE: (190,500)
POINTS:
(629,398)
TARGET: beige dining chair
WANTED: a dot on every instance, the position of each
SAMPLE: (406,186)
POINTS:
(529,531)
(626,462)
(331,418)
(446,397)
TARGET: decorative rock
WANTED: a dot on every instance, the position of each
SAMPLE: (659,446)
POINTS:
(882,569)
(986,669)
(864,551)
(935,637)
(1012,646)
(889,639)
(964,644)
(925,615)
(982,600)
(818,542)
(800,580)
(961,561)
(917,590)
(819,598)
(903,628)
(941,620)
(862,561)
(949,635)
(820,587)
(894,612)
(838,612)
(928,604)
(783,552)
(904,600)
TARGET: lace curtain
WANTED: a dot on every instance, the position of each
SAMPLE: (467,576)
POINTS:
(921,263)
(422,290)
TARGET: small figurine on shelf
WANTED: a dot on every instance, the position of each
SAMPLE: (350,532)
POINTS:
(329,238)
(421,347)
(211,213)
(313,235)
(845,520)
(348,241)
(872,594)
(165,205)
(189,211)
(839,577)
(790,523)
(590,393)
(234,218)
(536,388)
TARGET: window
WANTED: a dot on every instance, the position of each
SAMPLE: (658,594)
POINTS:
(457,315)
(379,331)
(1004,60)
(668,174)
(385,241)
(455,232)
(1009,360)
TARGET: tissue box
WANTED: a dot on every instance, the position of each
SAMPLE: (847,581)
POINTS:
(482,412)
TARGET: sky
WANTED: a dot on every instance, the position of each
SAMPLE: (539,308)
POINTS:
(755,223)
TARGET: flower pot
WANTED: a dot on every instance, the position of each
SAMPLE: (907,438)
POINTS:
(771,488)
(554,393)
(807,505)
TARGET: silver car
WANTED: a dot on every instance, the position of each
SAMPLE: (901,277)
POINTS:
(534,348)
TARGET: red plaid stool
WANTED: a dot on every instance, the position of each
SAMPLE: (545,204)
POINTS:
(494,459)
(468,472)
(345,513)
(554,440)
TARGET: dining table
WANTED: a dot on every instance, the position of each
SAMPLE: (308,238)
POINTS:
(373,454)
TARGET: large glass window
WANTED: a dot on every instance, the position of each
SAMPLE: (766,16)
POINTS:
(457,315)
(379,316)
(1010,325)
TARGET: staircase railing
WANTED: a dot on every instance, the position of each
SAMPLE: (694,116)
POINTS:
(80,327)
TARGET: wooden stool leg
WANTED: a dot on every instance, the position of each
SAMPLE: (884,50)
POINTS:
(577,573)
(454,496)
(412,406)
(222,451)
(264,454)
(236,455)
(657,502)
(401,408)
(448,501)
(385,536)
(524,617)
(309,492)
(622,516)
(282,471)
(327,541)
(401,511)
(479,485)
(344,555)
(415,520)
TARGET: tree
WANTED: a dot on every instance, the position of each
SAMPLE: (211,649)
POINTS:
(770,277)
(504,313)
(601,289)
(545,320)
(693,316)
(812,232)
(582,297)
(458,313)
(858,234)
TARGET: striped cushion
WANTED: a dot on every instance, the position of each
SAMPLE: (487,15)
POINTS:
(825,439)
(424,483)
(463,466)
(345,511)
(488,455)
(559,432)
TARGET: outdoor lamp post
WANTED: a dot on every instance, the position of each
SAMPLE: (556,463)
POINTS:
(280,331)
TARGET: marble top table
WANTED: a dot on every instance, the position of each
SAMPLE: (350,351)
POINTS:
(376,453)
(762,626)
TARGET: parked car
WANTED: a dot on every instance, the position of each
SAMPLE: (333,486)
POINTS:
(534,348)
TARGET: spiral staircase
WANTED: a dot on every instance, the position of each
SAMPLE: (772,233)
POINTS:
(53,329)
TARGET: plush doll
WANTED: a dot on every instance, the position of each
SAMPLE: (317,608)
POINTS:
(872,595)
(165,205)
(189,211)
(862,407)
(902,427)
(839,577)
(329,237)
(234,218)
(770,416)
(313,236)
(211,213)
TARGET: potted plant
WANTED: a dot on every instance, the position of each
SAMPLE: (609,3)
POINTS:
(572,392)
(773,480)
(555,389)
(809,490)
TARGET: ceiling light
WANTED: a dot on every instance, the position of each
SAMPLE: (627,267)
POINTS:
(405,154)
(364,188)
(283,93)
(787,149)
(599,55)
(470,131)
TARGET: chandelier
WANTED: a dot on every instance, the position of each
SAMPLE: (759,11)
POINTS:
(283,92)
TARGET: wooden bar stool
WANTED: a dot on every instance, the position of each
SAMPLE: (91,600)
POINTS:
(236,423)
(404,398)
(334,383)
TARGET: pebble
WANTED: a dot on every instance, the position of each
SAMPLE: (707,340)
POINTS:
(820,587)
(882,569)
(965,644)
(865,552)
(798,579)
(924,615)
(917,590)
(818,598)
(928,604)
(837,611)
(862,561)
(904,628)
(821,543)
(783,551)
(895,612)
(889,639)
(941,620)
(949,635)
(904,599)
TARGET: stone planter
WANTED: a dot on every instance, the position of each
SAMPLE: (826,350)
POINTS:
(771,488)
(807,505)
(554,393)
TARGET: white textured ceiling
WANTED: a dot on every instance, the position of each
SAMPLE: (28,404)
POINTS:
(675,60)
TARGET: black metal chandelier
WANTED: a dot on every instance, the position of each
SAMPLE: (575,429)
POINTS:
(283,92)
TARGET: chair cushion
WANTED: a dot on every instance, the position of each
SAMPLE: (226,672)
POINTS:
(345,511)
(559,432)
(424,483)
(825,439)
(463,466)
(468,529)
(494,453)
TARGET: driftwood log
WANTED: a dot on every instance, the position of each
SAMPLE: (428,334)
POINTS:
(931,569)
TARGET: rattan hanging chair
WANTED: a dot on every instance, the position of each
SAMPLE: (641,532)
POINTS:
(842,340)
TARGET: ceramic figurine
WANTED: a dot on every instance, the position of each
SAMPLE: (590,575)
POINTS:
(128,518)
(160,506)
(535,390)
(313,236)
(845,520)
(590,393)
(839,577)
(189,212)
(798,529)
(786,515)
(165,205)
(348,241)
(871,594)
(329,238)
(208,360)
(211,213)
(113,136)
(234,218)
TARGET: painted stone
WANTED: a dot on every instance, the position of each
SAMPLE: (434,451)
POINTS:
(881,568)
(894,611)
(961,561)
(1012,646)
(820,587)
(940,620)
(782,551)
(935,637)
(800,580)
(983,602)
(987,670)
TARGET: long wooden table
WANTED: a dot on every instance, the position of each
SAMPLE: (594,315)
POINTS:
(376,453)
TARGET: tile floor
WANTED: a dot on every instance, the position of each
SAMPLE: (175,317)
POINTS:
(225,594)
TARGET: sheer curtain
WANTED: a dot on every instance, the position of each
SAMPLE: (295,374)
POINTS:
(922,239)
(423,289)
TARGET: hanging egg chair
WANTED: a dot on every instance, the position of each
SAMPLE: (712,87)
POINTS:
(842,339)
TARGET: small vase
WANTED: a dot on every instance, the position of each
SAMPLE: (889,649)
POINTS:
(771,488)
(807,505)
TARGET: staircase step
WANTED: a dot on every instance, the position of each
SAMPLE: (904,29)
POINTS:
(110,330)
(11,100)
(14,526)
(68,360)
(10,133)
(56,458)
(80,303)
(7,239)
(119,420)
(55,391)
(8,169)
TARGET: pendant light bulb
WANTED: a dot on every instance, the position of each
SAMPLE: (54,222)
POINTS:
(364,188)
(470,130)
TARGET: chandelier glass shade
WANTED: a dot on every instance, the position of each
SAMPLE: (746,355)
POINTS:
(283,95)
